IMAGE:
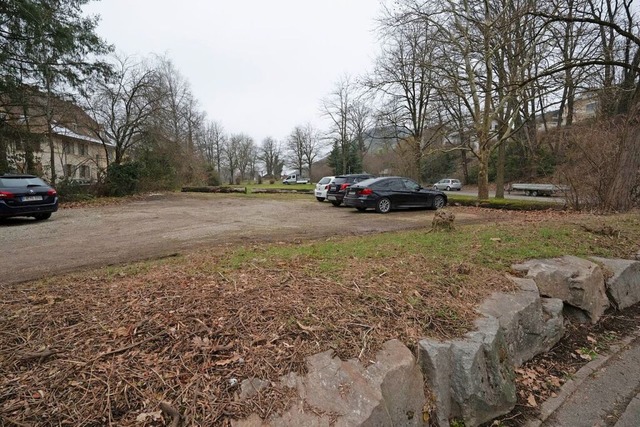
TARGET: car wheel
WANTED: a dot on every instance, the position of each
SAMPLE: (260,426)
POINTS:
(383,205)
(361,209)
(534,193)
(42,216)
(448,188)
(435,187)
(336,203)
(438,202)
(320,199)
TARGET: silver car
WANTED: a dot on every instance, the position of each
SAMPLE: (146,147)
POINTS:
(448,184)
(322,186)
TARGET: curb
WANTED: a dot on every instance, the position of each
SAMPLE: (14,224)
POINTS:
(550,405)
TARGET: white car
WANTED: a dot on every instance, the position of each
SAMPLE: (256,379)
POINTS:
(448,184)
(322,186)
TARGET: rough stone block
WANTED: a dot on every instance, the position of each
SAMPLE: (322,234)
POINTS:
(574,280)
(472,378)
(529,327)
(390,391)
(623,287)
(436,362)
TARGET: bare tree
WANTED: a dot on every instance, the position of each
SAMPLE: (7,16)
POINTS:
(361,122)
(231,153)
(212,144)
(295,144)
(405,77)
(247,154)
(272,156)
(122,105)
(337,108)
(310,146)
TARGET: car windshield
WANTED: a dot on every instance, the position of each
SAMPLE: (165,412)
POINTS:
(325,180)
(20,182)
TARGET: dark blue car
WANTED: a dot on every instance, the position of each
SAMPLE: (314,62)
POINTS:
(392,192)
(26,195)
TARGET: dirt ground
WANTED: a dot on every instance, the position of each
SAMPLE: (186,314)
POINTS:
(164,224)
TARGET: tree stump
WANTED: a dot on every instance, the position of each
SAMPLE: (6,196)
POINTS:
(443,221)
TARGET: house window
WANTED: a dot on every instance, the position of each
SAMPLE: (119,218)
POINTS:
(591,107)
(83,150)
(85,172)
(67,148)
(69,171)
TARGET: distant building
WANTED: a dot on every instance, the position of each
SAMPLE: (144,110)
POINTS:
(78,154)
(585,107)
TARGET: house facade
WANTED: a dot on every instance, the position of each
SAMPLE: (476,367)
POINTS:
(30,131)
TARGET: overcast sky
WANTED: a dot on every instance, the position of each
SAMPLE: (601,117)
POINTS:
(256,66)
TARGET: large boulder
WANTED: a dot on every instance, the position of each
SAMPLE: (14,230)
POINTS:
(531,325)
(574,280)
(623,287)
(473,378)
(390,391)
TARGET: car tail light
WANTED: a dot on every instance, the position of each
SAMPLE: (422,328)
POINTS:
(326,187)
(6,195)
(365,192)
(52,192)
(343,186)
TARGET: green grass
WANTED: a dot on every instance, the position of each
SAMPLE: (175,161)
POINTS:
(278,185)
(493,246)
(509,204)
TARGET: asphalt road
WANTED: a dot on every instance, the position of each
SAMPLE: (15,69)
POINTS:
(166,224)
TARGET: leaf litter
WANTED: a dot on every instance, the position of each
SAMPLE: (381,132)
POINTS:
(138,348)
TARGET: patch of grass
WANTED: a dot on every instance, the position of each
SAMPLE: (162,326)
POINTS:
(278,186)
(508,204)
(493,246)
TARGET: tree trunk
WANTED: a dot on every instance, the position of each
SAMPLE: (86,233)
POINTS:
(4,161)
(500,172)
(465,166)
(483,175)
(52,155)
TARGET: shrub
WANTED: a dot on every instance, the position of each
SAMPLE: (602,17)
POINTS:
(213,178)
(122,179)
(602,164)
(73,191)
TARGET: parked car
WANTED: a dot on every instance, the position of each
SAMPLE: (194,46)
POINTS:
(448,184)
(338,188)
(393,192)
(322,186)
(26,195)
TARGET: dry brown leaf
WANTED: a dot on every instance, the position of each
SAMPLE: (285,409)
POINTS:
(531,400)
(227,361)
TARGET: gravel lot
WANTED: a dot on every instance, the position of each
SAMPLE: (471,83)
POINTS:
(164,224)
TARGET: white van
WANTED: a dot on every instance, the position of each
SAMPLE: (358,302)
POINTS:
(295,178)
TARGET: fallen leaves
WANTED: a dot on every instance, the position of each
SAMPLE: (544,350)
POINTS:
(191,334)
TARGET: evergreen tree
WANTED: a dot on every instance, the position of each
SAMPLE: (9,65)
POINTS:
(47,45)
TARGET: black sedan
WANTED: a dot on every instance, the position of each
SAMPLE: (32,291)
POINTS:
(26,195)
(392,192)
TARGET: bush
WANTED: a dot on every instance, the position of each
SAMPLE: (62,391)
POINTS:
(213,178)
(122,179)
(73,191)
(602,164)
